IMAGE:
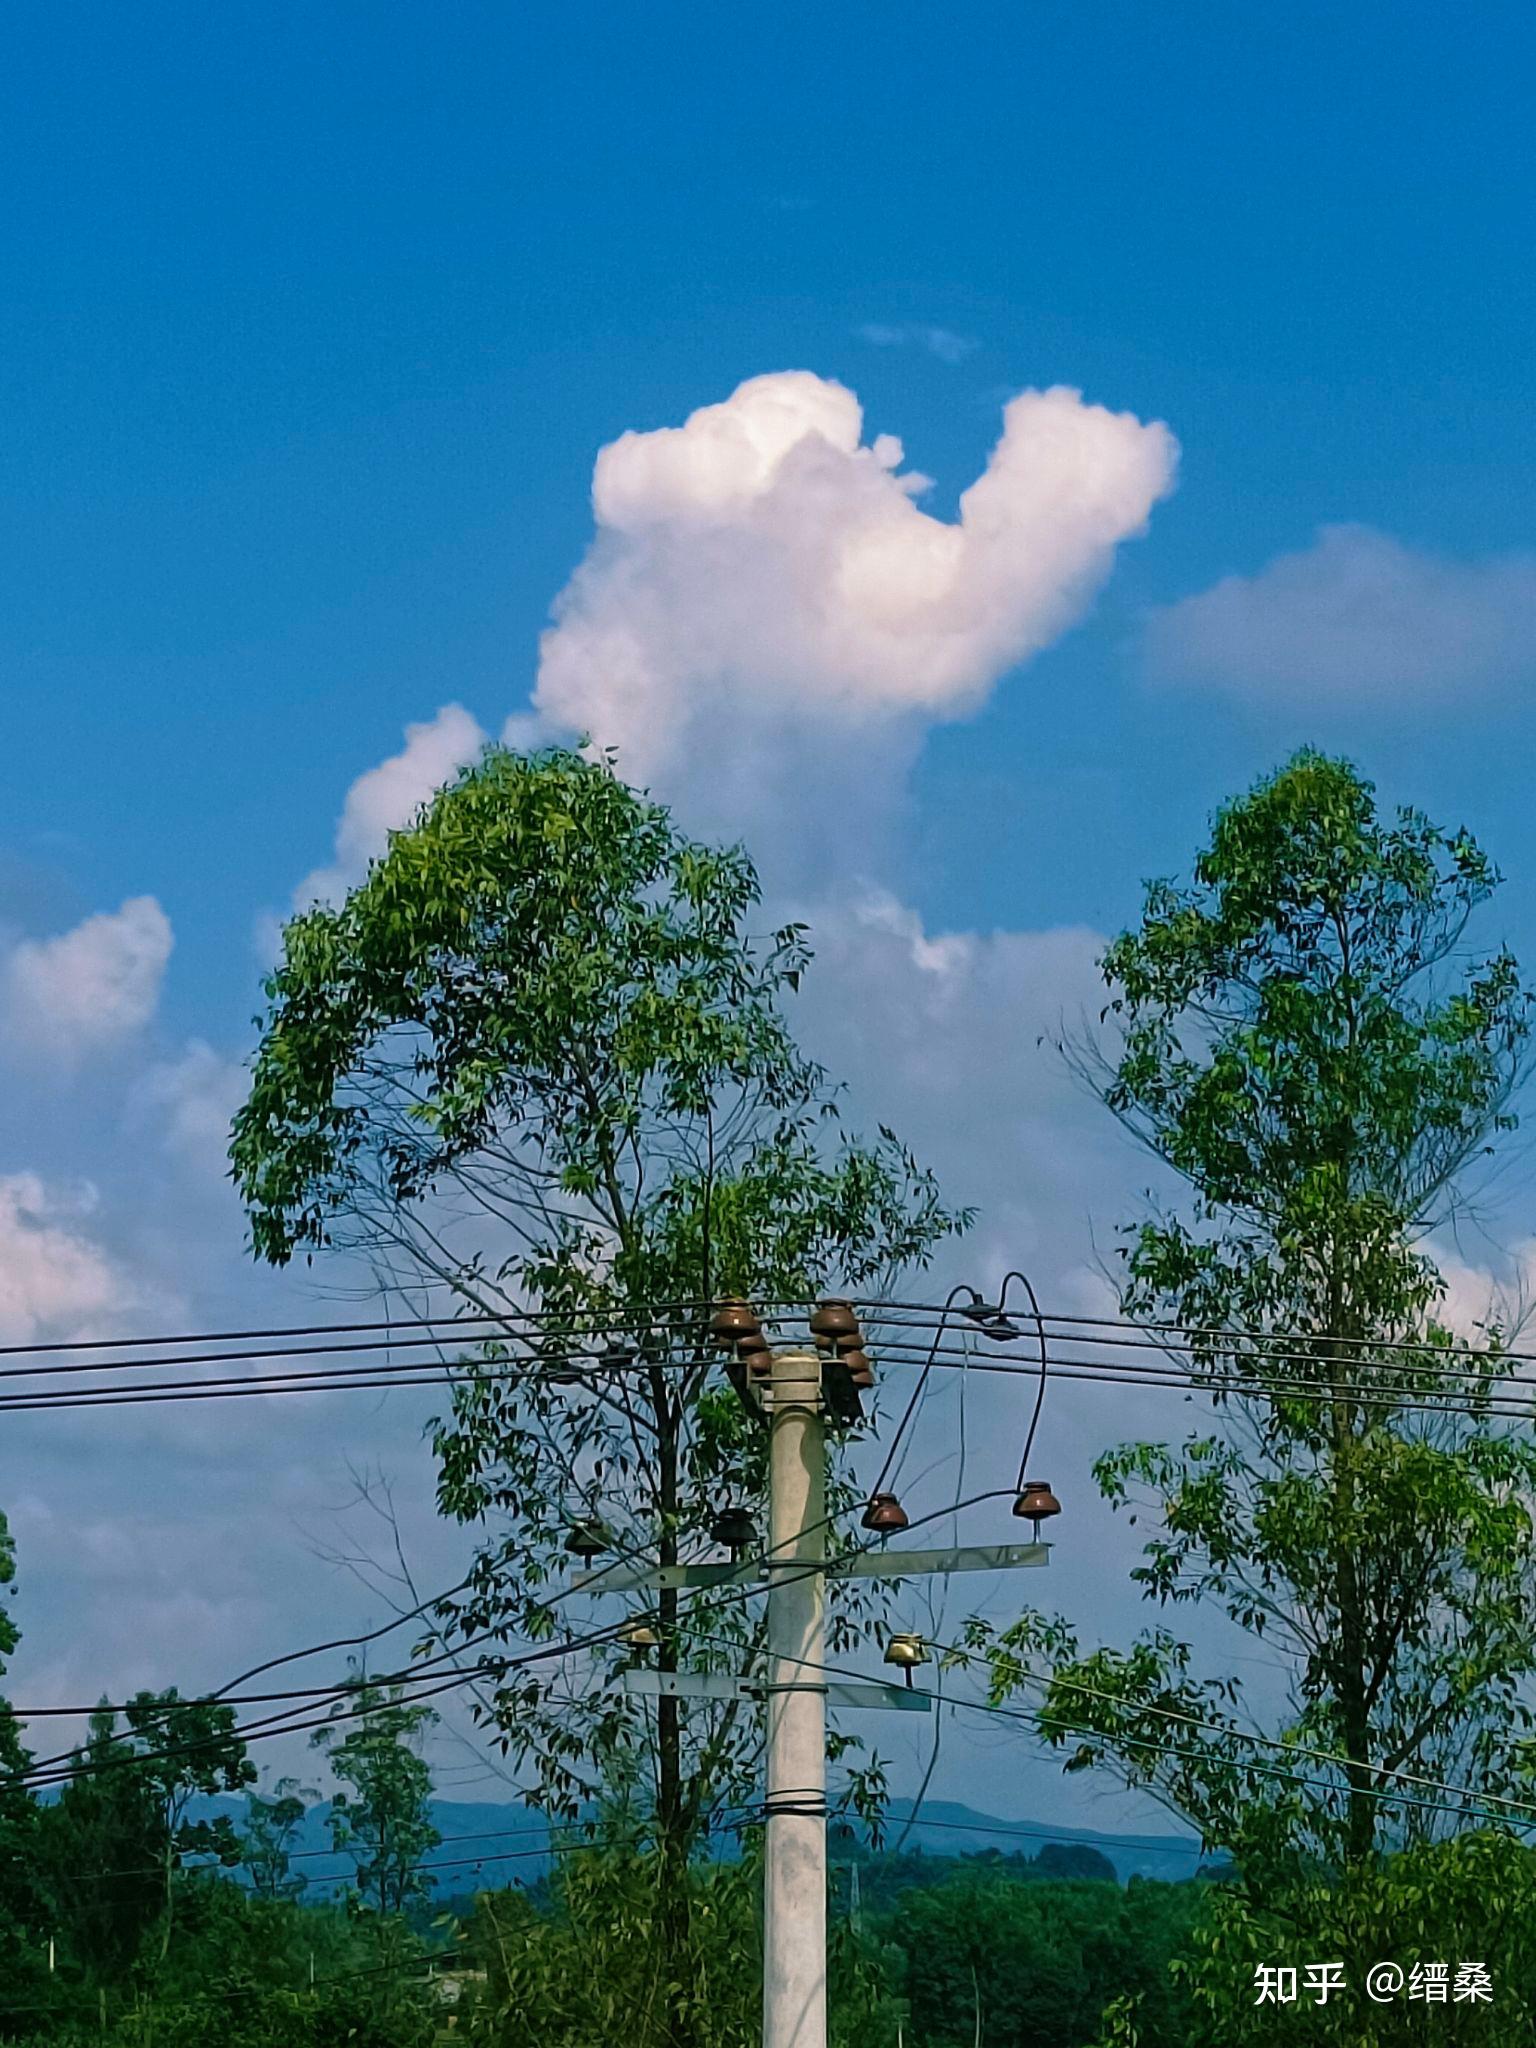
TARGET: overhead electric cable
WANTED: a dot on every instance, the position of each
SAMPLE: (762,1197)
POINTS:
(1463,1795)
(1045,1364)
(73,1763)
(917,1392)
(1494,1397)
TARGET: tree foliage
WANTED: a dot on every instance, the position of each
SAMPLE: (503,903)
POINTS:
(539,1058)
(266,1841)
(22,1902)
(122,1828)
(991,1961)
(586,1964)
(1471,1899)
(383,1822)
(1307,1040)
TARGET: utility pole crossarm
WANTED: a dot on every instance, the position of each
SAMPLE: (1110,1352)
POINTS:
(903,1564)
(652,1578)
(863,1564)
(720,1685)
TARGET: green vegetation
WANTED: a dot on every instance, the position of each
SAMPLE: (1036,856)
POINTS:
(988,1958)
(1308,1041)
(131,1926)
(538,1056)
(382,1822)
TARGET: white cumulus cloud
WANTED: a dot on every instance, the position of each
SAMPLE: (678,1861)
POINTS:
(188,1103)
(1357,616)
(951,1036)
(1499,1296)
(87,988)
(384,798)
(762,568)
(54,1280)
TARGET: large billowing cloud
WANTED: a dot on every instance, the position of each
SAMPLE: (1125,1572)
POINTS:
(1356,616)
(758,570)
(761,567)
(85,989)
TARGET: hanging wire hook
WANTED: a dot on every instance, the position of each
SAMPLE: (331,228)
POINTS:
(1034,1305)
(922,1381)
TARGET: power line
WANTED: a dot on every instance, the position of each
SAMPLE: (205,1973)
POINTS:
(550,1847)
(1301,1340)
(226,1694)
(678,1311)
(1464,1795)
(1426,1362)
(917,1392)
(161,1705)
(438,1340)
(340,1642)
(1323,1756)
(1191,1380)
(1251,1384)
(589,1583)
(72,1764)
(1254,1375)
(523,1324)
(386,1326)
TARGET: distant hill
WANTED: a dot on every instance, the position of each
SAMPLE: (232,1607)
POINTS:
(487,1843)
(945,1829)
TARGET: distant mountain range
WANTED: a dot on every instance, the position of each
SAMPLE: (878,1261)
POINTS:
(485,1844)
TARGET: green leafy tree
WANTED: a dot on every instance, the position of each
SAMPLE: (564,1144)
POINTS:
(584,1963)
(539,1058)
(1429,1910)
(180,1751)
(23,1908)
(121,1829)
(383,1822)
(103,1851)
(266,1841)
(1307,1040)
(248,1972)
(1078,1861)
(994,1963)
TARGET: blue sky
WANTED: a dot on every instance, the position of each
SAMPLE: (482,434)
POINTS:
(312,324)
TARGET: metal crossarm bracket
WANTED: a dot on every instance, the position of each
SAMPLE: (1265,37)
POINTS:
(746,1393)
(840,1394)
(719,1685)
(651,1578)
(860,1564)
(901,1564)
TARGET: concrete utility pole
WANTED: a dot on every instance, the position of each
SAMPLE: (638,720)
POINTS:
(795,1852)
(791,1390)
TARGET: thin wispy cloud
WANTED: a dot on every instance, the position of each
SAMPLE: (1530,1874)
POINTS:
(1357,617)
(942,342)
